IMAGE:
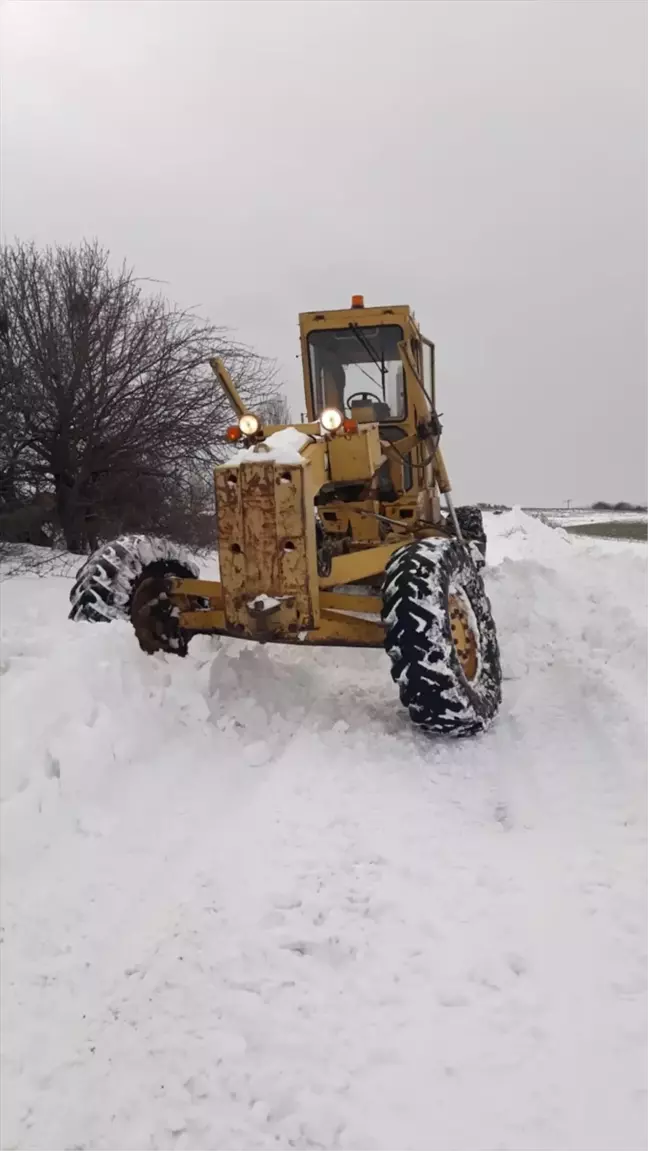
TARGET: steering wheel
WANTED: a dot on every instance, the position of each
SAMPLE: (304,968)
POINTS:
(364,396)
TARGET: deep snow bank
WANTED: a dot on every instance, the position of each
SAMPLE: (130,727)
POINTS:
(246,905)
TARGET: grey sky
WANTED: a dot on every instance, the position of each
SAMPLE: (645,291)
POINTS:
(484,162)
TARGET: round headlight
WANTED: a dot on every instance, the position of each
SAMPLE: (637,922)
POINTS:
(331,419)
(249,424)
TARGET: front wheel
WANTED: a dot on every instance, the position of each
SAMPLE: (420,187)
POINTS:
(107,582)
(441,638)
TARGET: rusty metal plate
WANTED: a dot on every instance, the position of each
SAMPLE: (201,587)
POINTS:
(266,545)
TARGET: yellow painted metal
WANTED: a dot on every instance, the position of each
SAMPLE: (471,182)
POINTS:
(203,589)
(441,471)
(315,457)
(335,518)
(229,387)
(357,519)
(267,542)
(369,604)
(363,521)
(276,626)
(463,636)
(396,449)
(265,624)
(310,429)
(204,621)
(354,458)
(407,356)
(334,628)
(359,565)
(336,625)
(403,512)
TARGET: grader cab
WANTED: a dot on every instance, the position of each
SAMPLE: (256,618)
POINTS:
(331,531)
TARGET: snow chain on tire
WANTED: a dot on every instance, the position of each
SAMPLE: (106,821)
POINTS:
(445,687)
(106,582)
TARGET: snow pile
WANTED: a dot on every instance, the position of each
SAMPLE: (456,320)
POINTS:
(246,905)
(282,447)
(517,535)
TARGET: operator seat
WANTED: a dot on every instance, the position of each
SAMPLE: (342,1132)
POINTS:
(368,411)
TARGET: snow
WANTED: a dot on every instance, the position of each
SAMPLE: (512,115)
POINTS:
(266,602)
(282,447)
(245,904)
(521,536)
(593,517)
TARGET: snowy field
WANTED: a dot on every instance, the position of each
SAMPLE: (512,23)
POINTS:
(575,517)
(246,905)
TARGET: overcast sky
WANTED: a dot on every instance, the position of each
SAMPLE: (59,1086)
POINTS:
(484,162)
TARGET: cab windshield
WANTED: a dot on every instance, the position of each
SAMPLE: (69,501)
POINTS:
(359,371)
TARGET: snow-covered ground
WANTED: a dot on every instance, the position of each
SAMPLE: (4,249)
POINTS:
(246,905)
(574,517)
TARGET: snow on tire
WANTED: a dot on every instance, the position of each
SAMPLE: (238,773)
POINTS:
(471,522)
(441,638)
(105,583)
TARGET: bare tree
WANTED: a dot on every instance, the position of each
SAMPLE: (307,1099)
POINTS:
(106,397)
(276,410)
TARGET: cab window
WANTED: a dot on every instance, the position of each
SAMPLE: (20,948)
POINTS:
(358,370)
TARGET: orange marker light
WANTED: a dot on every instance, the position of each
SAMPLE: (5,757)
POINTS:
(350,426)
(357,301)
(233,434)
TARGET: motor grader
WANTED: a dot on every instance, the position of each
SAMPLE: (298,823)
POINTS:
(331,531)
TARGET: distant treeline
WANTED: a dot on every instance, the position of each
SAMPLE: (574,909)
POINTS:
(602,506)
(599,506)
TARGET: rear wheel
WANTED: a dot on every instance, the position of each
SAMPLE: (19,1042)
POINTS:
(441,638)
(106,583)
(471,522)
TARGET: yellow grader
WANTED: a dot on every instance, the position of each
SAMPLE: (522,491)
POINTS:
(331,531)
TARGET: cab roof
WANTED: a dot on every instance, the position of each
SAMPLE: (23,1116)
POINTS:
(342,317)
